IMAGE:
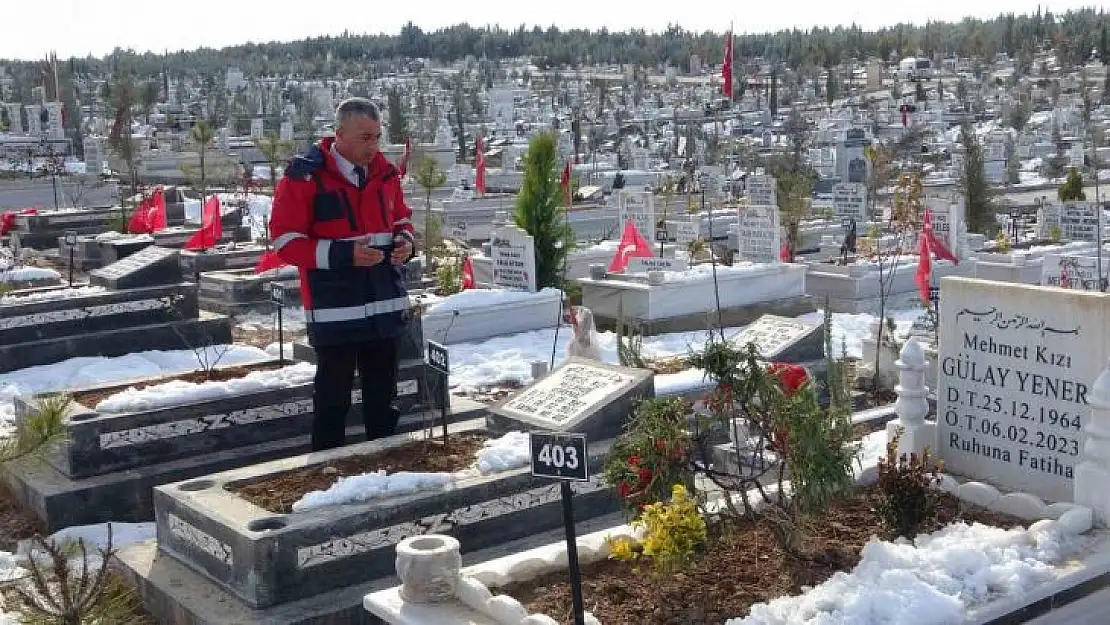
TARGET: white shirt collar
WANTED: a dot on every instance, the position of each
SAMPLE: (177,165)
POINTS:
(346,167)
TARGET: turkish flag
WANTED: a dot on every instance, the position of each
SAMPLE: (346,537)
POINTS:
(924,269)
(140,218)
(935,245)
(479,167)
(269,260)
(784,253)
(156,211)
(467,274)
(633,245)
(726,67)
(565,182)
(211,229)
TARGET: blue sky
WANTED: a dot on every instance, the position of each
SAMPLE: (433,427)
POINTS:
(79,27)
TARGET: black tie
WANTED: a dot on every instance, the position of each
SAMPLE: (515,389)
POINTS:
(360,173)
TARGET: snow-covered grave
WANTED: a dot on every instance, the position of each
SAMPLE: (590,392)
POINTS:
(332,542)
(579,260)
(1079,270)
(671,301)
(142,304)
(854,288)
(962,573)
(149,431)
(1025,266)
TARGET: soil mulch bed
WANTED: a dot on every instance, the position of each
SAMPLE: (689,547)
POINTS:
(93,397)
(16,523)
(277,493)
(742,566)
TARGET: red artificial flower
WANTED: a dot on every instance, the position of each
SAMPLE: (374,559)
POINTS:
(624,490)
(661,444)
(792,377)
(634,461)
(645,476)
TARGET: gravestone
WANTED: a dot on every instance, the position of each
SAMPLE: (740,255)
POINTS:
(759,233)
(685,232)
(1015,364)
(641,265)
(513,253)
(1048,219)
(947,220)
(639,208)
(850,201)
(150,266)
(761,190)
(1079,221)
(783,339)
(581,396)
(116,250)
(1073,271)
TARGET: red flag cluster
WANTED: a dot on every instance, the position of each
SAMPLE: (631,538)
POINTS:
(211,228)
(479,166)
(150,215)
(632,245)
(928,246)
(726,67)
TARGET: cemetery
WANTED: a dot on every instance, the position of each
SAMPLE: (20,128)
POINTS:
(812,336)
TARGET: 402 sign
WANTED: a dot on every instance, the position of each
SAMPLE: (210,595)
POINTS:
(560,456)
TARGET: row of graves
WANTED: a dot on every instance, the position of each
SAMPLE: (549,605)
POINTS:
(1017,421)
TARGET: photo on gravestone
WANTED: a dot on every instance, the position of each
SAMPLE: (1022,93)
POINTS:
(513,253)
(759,233)
(1015,366)
(582,396)
(151,266)
(783,339)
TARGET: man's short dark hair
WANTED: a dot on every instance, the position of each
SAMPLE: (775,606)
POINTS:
(356,107)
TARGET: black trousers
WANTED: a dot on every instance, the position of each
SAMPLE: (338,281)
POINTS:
(376,362)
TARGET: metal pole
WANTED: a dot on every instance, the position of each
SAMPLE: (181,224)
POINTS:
(1098,216)
(281,338)
(71,266)
(577,603)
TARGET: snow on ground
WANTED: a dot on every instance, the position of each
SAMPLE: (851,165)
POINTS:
(53,295)
(96,535)
(507,452)
(932,581)
(509,358)
(292,320)
(27,274)
(471,299)
(89,371)
(180,392)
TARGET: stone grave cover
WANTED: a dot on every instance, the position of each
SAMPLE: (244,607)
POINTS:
(1014,369)
(581,396)
(151,266)
(783,339)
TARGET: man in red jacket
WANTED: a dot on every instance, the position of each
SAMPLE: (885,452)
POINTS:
(339,216)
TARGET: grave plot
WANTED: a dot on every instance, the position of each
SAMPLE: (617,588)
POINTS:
(246,532)
(137,304)
(221,258)
(123,439)
(41,231)
(236,291)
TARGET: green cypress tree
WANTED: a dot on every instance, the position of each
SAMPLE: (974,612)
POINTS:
(539,209)
(978,199)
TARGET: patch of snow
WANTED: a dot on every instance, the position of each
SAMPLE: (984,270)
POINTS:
(11,567)
(52,295)
(932,581)
(93,371)
(292,320)
(96,535)
(28,274)
(504,453)
(472,299)
(180,392)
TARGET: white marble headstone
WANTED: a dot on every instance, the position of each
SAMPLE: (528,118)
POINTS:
(513,252)
(639,208)
(1015,365)
(760,233)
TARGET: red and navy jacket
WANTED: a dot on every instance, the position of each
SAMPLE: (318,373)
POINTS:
(318,217)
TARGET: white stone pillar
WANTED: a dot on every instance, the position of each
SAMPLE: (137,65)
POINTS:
(912,405)
(428,566)
(1092,475)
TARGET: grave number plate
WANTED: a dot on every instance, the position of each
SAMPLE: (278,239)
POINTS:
(71,238)
(437,358)
(560,456)
(277,293)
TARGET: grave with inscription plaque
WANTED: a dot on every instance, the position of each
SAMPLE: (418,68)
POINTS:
(582,396)
(513,255)
(1015,367)
(137,304)
(781,339)
(266,565)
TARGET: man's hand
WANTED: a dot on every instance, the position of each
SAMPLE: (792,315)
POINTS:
(367,256)
(402,250)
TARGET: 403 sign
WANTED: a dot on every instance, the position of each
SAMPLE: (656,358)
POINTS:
(560,456)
